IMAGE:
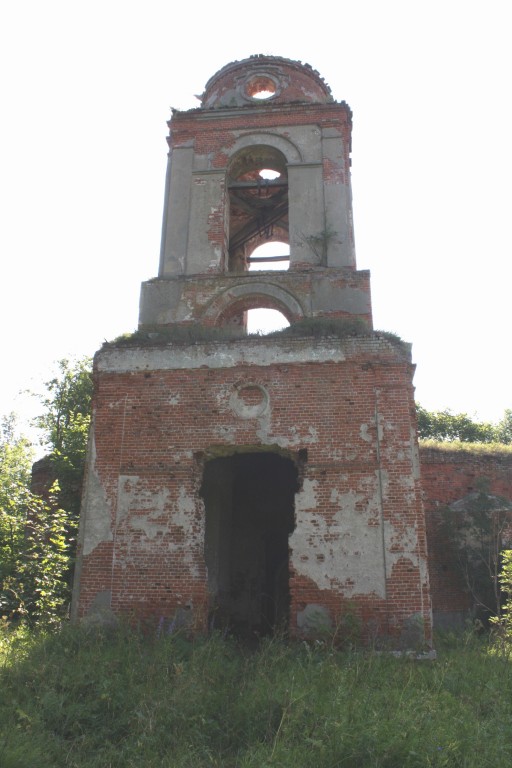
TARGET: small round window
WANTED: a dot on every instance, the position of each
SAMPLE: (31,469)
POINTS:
(261,87)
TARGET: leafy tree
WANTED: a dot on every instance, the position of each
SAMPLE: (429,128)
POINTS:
(504,428)
(37,535)
(65,425)
(15,464)
(446,426)
(34,539)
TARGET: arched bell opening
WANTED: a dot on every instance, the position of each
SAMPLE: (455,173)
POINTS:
(263,321)
(259,313)
(258,202)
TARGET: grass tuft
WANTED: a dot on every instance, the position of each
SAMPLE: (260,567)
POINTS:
(458,446)
(308,327)
(91,700)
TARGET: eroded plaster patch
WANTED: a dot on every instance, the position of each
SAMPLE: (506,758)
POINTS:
(142,508)
(118,360)
(415,454)
(98,521)
(344,551)
(153,512)
(401,543)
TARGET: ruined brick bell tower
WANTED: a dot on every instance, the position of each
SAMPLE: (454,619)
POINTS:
(256,482)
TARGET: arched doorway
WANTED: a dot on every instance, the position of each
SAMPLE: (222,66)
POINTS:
(249,506)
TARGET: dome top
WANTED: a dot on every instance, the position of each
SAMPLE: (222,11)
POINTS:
(264,79)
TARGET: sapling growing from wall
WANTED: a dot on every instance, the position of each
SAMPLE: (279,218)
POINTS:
(319,244)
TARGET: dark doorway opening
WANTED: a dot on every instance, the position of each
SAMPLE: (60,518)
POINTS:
(249,502)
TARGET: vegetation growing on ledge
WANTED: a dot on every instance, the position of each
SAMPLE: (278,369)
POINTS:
(308,327)
(329,327)
(455,429)
(483,449)
(179,333)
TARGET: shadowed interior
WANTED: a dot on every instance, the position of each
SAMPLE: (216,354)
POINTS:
(249,501)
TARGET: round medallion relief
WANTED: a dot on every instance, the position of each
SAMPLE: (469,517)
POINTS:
(249,400)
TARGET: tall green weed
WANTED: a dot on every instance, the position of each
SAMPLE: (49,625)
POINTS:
(82,699)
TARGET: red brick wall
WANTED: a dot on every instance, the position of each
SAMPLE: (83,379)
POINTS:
(446,477)
(154,429)
(217,133)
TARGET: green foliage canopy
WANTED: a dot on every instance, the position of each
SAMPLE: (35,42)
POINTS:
(34,539)
(65,425)
(15,465)
(37,534)
(446,426)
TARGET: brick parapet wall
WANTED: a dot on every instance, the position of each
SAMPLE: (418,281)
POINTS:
(448,476)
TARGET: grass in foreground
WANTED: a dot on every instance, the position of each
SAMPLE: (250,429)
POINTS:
(85,700)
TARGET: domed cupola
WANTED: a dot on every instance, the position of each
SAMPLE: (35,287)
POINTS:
(266,80)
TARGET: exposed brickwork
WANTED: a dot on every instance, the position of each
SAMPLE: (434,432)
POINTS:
(43,476)
(448,476)
(257,481)
(212,300)
(238,81)
(153,430)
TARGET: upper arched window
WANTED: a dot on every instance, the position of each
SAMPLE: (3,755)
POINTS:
(258,202)
(272,255)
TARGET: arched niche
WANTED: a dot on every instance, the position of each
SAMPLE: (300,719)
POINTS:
(232,305)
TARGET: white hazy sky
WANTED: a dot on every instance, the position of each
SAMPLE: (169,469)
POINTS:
(86,89)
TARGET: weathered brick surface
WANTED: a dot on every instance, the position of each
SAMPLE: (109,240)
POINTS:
(265,479)
(359,532)
(237,82)
(212,300)
(448,476)
(219,131)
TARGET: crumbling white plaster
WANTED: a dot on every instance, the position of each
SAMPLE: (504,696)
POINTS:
(402,543)
(98,520)
(215,355)
(298,437)
(343,553)
(244,410)
(153,512)
(415,454)
(134,498)
(184,509)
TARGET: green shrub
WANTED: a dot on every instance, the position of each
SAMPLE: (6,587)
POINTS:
(502,624)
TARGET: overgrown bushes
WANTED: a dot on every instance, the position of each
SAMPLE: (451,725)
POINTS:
(38,532)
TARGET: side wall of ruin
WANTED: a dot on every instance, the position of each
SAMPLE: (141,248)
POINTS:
(447,477)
